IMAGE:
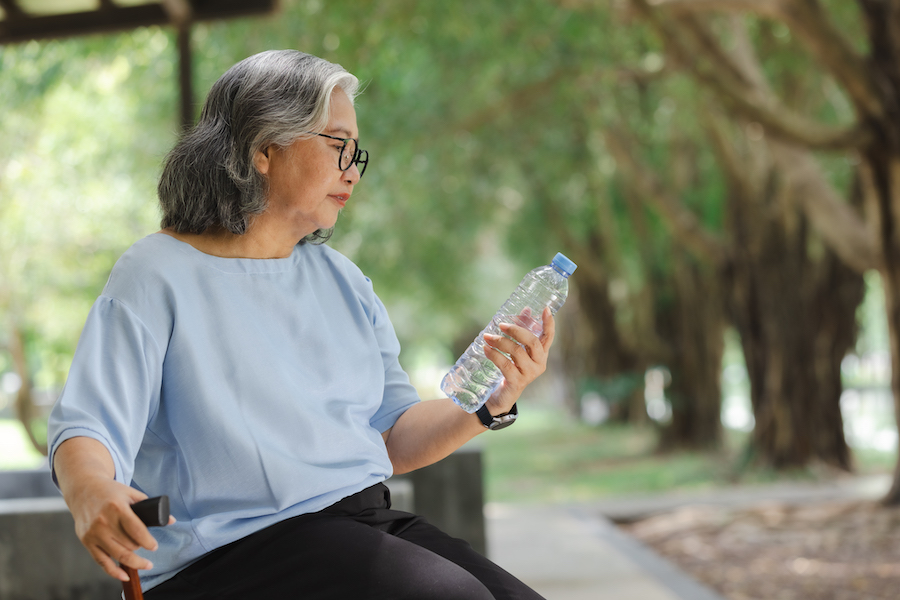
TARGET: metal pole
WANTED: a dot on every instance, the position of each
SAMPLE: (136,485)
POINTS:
(185,81)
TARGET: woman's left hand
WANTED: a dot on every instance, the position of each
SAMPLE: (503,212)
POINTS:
(527,359)
(429,431)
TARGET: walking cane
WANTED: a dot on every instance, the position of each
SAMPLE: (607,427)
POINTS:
(153,512)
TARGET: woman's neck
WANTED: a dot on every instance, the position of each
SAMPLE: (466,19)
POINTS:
(225,244)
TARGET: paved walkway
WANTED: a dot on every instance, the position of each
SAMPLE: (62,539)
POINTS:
(574,552)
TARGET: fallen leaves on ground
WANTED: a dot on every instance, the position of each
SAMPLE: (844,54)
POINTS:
(823,551)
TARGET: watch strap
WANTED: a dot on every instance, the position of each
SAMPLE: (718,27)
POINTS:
(495,422)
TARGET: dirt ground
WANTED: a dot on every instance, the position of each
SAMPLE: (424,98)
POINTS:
(824,551)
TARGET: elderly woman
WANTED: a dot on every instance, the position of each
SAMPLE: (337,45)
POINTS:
(250,373)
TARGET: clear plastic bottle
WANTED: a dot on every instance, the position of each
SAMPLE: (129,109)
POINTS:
(474,377)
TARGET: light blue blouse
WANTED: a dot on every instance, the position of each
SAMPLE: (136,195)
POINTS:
(248,391)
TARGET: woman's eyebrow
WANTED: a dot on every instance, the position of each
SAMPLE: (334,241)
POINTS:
(342,130)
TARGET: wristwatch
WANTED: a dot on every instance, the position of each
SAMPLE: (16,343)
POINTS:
(500,421)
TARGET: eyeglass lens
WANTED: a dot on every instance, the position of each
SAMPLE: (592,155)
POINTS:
(348,154)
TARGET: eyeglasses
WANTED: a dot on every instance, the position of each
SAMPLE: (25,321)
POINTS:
(350,154)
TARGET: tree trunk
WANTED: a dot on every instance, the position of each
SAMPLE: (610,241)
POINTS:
(880,170)
(696,332)
(595,352)
(25,408)
(891,278)
(794,306)
(872,84)
(881,187)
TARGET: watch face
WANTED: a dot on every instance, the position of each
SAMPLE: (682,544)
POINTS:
(503,421)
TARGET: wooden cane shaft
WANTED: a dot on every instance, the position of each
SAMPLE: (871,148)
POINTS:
(132,587)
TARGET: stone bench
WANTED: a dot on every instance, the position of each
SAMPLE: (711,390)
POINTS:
(450,494)
(41,559)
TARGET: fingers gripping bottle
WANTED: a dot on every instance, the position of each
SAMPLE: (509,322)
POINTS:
(474,377)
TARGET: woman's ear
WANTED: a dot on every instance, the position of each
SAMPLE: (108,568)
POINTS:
(261,160)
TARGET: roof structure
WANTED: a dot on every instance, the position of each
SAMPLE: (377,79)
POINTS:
(26,20)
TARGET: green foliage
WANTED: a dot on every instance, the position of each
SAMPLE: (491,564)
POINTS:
(15,450)
(482,122)
(872,319)
(458,104)
(83,136)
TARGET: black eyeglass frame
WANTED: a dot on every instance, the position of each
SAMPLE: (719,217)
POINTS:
(360,157)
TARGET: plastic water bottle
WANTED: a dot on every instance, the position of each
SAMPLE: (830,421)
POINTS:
(474,377)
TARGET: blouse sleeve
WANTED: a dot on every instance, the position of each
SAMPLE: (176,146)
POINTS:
(113,386)
(399,394)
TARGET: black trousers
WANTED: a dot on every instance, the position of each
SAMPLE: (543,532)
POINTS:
(355,549)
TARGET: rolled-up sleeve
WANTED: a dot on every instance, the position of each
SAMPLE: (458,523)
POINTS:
(399,393)
(113,387)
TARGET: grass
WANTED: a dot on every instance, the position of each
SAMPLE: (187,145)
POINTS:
(548,457)
(16,452)
(869,461)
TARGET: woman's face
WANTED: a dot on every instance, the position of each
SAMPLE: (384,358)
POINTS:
(307,189)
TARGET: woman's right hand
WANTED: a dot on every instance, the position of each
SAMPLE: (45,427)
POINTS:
(101,506)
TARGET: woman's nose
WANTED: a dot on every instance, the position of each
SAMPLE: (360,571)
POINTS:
(352,174)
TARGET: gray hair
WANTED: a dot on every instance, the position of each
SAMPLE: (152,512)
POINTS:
(271,98)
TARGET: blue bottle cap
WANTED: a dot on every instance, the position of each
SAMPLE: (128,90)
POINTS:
(564,264)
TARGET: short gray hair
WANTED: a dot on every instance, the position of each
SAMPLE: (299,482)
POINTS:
(271,98)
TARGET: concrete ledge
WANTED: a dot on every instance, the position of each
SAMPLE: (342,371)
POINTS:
(450,494)
(42,559)
(674,579)
(29,483)
(567,552)
(402,494)
(32,505)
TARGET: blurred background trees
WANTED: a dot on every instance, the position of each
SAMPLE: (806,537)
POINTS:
(829,84)
(717,176)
